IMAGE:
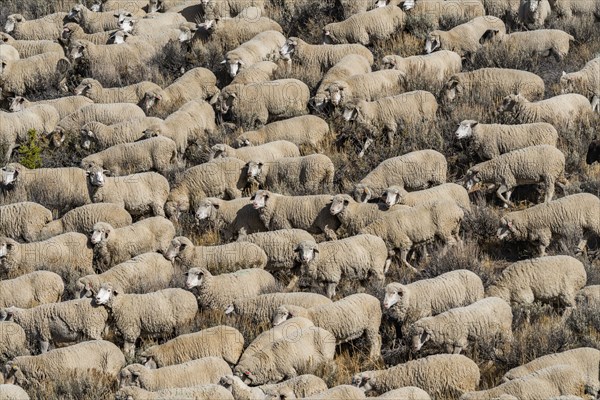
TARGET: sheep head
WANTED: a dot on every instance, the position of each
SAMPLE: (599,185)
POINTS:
(178,246)
(289,47)
(208,208)
(76,13)
(101,233)
(260,199)
(433,41)
(13,375)
(130,374)
(472,179)
(395,293)
(12,21)
(155,6)
(233,63)
(569,83)
(147,358)
(187,31)
(10,174)
(119,37)
(389,62)
(77,50)
(510,101)
(227,382)
(3,65)
(195,277)
(340,203)
(254,170)
(85,86)
(393,195)
(97,175)
(533,5)
(353,112)
(452,89)
(362,193)
(85,288)
(17,104)
(465,129)
(106,294)
(363,381)
(506,229)
(337,92)
(327,37)
(419,335)
(226,99)
(307,251)
(127,24)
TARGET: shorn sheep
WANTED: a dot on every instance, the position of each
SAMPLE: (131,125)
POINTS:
(585,82)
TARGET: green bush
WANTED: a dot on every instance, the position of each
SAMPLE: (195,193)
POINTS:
(30,152)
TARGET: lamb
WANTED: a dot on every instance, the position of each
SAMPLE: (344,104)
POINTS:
(217,178)
(13,343)
(113,246)
(219,341)
(231,218)
(557,217)
(262,47)
(260,72)
(23,221)
(403,229)
(368,87)
(158,313)
(433,70)
(197,83)
(464,39)
(278,246)
(257,103)
(158,153)
(267,152)
(218,291)
(66,321)
(13,392)
(311,174)
(360,257)
(405,393)
(232,32)
(48,27)
(103,136)
(227,257)
(22,76)
(288,357)
(29,48)
(73,31)
(135,93)
(526,281)
(305,130)
(413,171)
(63,105)
(145,273)
(67,255)
(82,220)
(310,213)
(30,290)
(68,364)
(534,164)
(584,359)
(202,392)
(397,195)
(355,316)
(298,387)
(138,194)
(491,140)
(544,42)
(439,375)
(586,82)
(320,57)
(377,24)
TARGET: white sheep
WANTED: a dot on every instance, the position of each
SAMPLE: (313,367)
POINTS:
(378,24)
(231,8)
(534,164)
(232,32)
(145,273)
(158,313)
(360,257)
(22,76)
(229,257)
(63,105)
(368,87)
(73,31)
(413,171)
(439,375)
(219,341)
(464,39)
(32,289)
(543,42)
(354,316)
(491,140)
(13,392)
(113,246)
(405,393)
(13,342)
(219,291)
(28,48)
(278,245)
(23,221)
(262,47)
(94,22)
(341,392)
(436,12)
(260,72)
(558,217)
(398,195)
(231,218)
(264,152)
(93,89)
(310,213)
(586,82)
(298,387)
(7,52)
(534,13)
(48,27)
(589,296)
(201,392)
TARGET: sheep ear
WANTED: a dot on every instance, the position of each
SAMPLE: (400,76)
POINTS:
(474,124)
(223,62)
(564,73)
(316,250)
(297,249)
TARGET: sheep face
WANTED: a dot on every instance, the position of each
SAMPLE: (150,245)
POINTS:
(101,233)
(471,179)
(465,129)
(252,372)
(96,176)
(105,294)
(392,196)
(388,62)
(9,176)
(259,200)
(96,7)
(195,277)
(362,381)
(84,87)
(418,337)
(362,193)
(339,204)
(87,135)
(17,104)
(307,252)
(119,37)
(85,289)
(126,24)
(568,83)
(533,5)
(350,113)
(432,43)
(225,101)
(288,48)
(281,315)
(233,64)
(507,228)
(154,6)
(150,99)
(176,248)
(148,360)
(254,169)
(508,103)
(338,92)
(227,382)
(13,375)
(76,13)
(11,21)
(452,90)
(207,209)
(77,50)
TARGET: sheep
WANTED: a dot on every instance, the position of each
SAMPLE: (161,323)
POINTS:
(67,255)
(266,152)
(305,130)
(310,213)
(217,178)
(496,83)
(145,273)
(350,8)
(137,194)
(157,153)
(543,42)
(227,257)
(300,387)
(413,171)
(260,72)
(7,52)
(32,289)
(61,322)
(232,218)
(397,195)
(103,136)
(278,246)
(368,87)
(13,392)
(288,357)
(73,31)
(262,47)
(341,392)
(260,309)
(23,221)
(586,82)
(63,105)
(435,12)
(219,341)
(355,316)
(197,83)
(439,375)
(525,281)
(309,174)
(464,39)
(491,140)
(82,220)
(135,93)
(377,24)
(543,384)
(558,217)
(258,103)
(48,27)
(202,392)
(584,359)
(433,70)
(94,22)
(405,393)
(29,48)
(406,111)
(403,229)
(534,13)
(320,57)
(534,164)
(97,359)
(218,291)
(231,8)
(35,73)
(589,296)
(13,342)
(358,257)
(158,313)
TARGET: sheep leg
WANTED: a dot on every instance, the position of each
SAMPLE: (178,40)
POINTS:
(581,247)
(129,349)
(374,340)
(596,103)
(457,349)
(157,210)
(44,346)
(331,289)
(549,190)
(502,189)
(386,267)
(329,233)
(403,255)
